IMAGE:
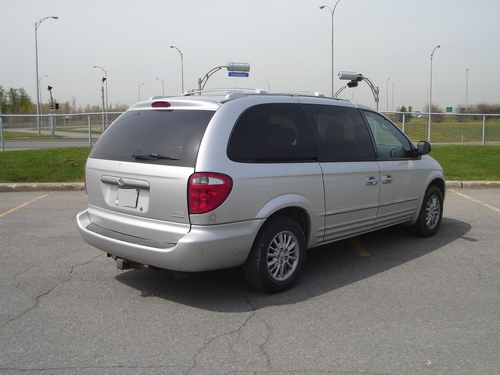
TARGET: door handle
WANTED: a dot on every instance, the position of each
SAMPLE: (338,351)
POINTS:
(372,180)
(387,179)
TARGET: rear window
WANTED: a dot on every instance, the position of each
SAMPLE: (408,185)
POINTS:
(169,137)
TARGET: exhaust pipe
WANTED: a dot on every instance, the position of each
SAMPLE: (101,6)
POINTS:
(124,264)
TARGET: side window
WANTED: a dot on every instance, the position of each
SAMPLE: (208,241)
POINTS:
(341,134)
(390,142)
(272,133)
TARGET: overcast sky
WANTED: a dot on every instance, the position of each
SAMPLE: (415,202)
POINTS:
(286,42)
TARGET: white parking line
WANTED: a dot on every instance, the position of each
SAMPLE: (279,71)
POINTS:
(496,209)
(23,205)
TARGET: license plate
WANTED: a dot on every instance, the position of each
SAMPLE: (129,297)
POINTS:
(127,197)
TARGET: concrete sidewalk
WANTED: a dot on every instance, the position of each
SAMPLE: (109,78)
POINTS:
(56,186)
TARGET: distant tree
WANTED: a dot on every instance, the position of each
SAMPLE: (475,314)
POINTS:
(409,116)
(91,109)
(3,100)
(406,112)
(18,101)
(118,108)
(436,112)
(65,107)
(481,108)
(489,109)
(13,100)
(26,105)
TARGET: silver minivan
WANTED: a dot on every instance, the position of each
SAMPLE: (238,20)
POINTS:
(200,182)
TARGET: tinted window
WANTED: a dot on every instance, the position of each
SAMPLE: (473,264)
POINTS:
(174,134)
(272,133)
(341,134)
(390,142)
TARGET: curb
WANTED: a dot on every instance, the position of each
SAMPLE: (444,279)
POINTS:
(79,186)
(41,186)
(473,184)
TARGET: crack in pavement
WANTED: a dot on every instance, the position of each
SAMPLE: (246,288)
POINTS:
(235,337)
(38,298)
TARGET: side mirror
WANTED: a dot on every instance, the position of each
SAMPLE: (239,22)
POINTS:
(423,148)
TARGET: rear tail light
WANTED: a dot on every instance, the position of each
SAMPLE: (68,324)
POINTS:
(207,191)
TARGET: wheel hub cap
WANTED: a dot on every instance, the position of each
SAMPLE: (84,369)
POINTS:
(282,256)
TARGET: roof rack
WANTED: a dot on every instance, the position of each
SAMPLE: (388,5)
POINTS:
(236,90)
(233,93)
(300,93)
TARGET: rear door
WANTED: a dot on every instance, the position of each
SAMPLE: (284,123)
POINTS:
(273,165)
(350,172)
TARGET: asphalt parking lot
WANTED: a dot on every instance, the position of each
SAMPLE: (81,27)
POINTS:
(382,303)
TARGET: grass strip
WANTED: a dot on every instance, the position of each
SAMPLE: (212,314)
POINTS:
(460,162)
(43,165)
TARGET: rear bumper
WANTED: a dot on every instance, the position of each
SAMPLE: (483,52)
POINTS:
(203,248)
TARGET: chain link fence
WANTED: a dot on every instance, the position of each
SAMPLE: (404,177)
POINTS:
(19,132)
(449,128)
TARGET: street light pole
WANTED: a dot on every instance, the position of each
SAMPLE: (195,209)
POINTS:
(333,13)
(37,25)
(163,85)
(182,66)
(430,99)
(392,105)
(105,79)
(466,89)
(140,91)
(388,94)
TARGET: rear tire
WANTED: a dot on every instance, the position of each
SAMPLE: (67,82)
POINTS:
(431,213)
(277,256)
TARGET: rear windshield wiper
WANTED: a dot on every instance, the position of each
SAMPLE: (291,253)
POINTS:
(152,157)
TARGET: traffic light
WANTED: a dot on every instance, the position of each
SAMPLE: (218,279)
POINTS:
(57,106)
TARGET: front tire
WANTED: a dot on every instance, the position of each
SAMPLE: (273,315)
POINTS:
(277,256)
(431,213)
